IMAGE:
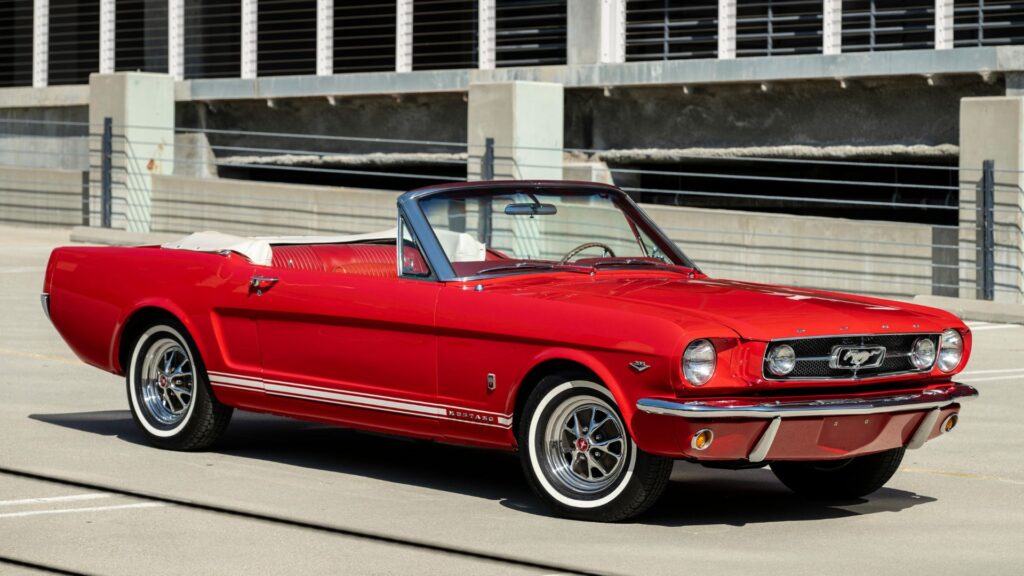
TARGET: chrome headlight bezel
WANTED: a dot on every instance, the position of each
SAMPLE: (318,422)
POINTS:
(781,360)
(923,353)
(699,361)
(951,350)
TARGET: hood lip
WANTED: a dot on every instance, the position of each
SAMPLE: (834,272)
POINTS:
(857,334)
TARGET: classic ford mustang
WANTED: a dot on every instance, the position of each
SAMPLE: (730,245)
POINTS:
(553,318)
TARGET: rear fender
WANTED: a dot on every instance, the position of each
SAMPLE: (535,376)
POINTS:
(148,303)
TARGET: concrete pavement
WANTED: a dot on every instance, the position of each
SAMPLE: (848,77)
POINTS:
(957,505)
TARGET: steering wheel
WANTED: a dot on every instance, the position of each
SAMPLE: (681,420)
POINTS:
(583,247)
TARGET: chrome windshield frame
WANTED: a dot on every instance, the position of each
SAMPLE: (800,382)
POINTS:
(416,220)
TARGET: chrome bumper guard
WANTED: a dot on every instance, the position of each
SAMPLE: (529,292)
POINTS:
(932,400)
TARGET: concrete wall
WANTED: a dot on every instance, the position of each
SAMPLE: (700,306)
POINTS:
(185,204)
(866,257)
(41,197)
(436,117)
(815,113)
(45,137)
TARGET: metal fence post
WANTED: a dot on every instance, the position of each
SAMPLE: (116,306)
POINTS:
(988,241)
(106,167)
(487,162)
(86,208)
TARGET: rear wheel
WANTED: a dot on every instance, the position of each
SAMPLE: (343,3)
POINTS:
(578,456)
(840,479)
(168,391)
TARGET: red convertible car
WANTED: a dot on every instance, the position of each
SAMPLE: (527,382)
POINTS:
(552,318)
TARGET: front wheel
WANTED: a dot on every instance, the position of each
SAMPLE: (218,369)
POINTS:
(840,479)
(578,456)
(169,394)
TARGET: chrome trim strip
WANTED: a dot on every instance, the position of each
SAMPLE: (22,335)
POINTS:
(850,378)
(360,400)
(924,430)
(45,299)
(827,358)
(760,451)
(855,335)
(424,235)
(701,409)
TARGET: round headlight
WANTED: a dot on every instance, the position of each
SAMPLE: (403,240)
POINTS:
(699,362)
(922,353)
(781,360)
(951,350)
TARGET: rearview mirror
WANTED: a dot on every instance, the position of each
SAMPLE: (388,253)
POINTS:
(531,209)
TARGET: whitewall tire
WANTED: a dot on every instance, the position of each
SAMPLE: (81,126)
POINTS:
(169,393)
(578,456)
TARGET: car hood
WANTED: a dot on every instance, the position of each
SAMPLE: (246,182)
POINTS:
(753,311)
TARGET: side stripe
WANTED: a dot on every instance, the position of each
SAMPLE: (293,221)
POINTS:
(362,400)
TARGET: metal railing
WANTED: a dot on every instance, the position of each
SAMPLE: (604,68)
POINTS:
(875,227)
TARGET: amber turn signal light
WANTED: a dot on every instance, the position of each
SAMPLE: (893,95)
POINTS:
(949,423)
(702,439)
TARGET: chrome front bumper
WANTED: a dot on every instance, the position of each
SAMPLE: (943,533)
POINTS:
(931,400)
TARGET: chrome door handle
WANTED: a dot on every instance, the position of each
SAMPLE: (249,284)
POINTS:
(261,283)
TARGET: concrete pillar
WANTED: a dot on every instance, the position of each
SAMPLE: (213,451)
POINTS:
(141,106)
(832,27)
(176,39)
(250,26)
(943,24)
(108,20)
(403,36)
(487,26)
(324,37)
(40,43)
(597,32)
(726,29)
(993,129)
(525,120)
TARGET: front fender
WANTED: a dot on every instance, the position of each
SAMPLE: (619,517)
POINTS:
(626,384)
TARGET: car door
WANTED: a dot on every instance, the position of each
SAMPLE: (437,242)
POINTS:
(354,349)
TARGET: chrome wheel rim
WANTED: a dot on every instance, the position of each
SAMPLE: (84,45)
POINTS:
(167,381)
(585,445)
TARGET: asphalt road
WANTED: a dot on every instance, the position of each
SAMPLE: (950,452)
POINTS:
(292,497)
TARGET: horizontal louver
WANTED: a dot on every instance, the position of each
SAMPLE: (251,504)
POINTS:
(530,32)
(671,29)
(874,25)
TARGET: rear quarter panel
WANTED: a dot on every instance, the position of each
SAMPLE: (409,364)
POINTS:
(95,290)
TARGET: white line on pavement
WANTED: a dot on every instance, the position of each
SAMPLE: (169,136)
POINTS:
(970,373)
(987,379)
(73,497)
(994,327)
(90,509)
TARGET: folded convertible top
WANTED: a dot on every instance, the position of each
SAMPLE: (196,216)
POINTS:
(259,250)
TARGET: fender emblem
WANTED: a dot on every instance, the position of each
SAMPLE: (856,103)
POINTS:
(639,366)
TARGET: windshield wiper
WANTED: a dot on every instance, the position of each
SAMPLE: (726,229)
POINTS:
(535,266)
(635,262)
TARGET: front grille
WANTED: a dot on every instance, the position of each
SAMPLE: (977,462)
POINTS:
(814,355)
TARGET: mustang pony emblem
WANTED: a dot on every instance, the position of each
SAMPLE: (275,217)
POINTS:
(857,357)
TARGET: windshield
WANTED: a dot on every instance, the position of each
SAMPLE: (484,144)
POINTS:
(484,232)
